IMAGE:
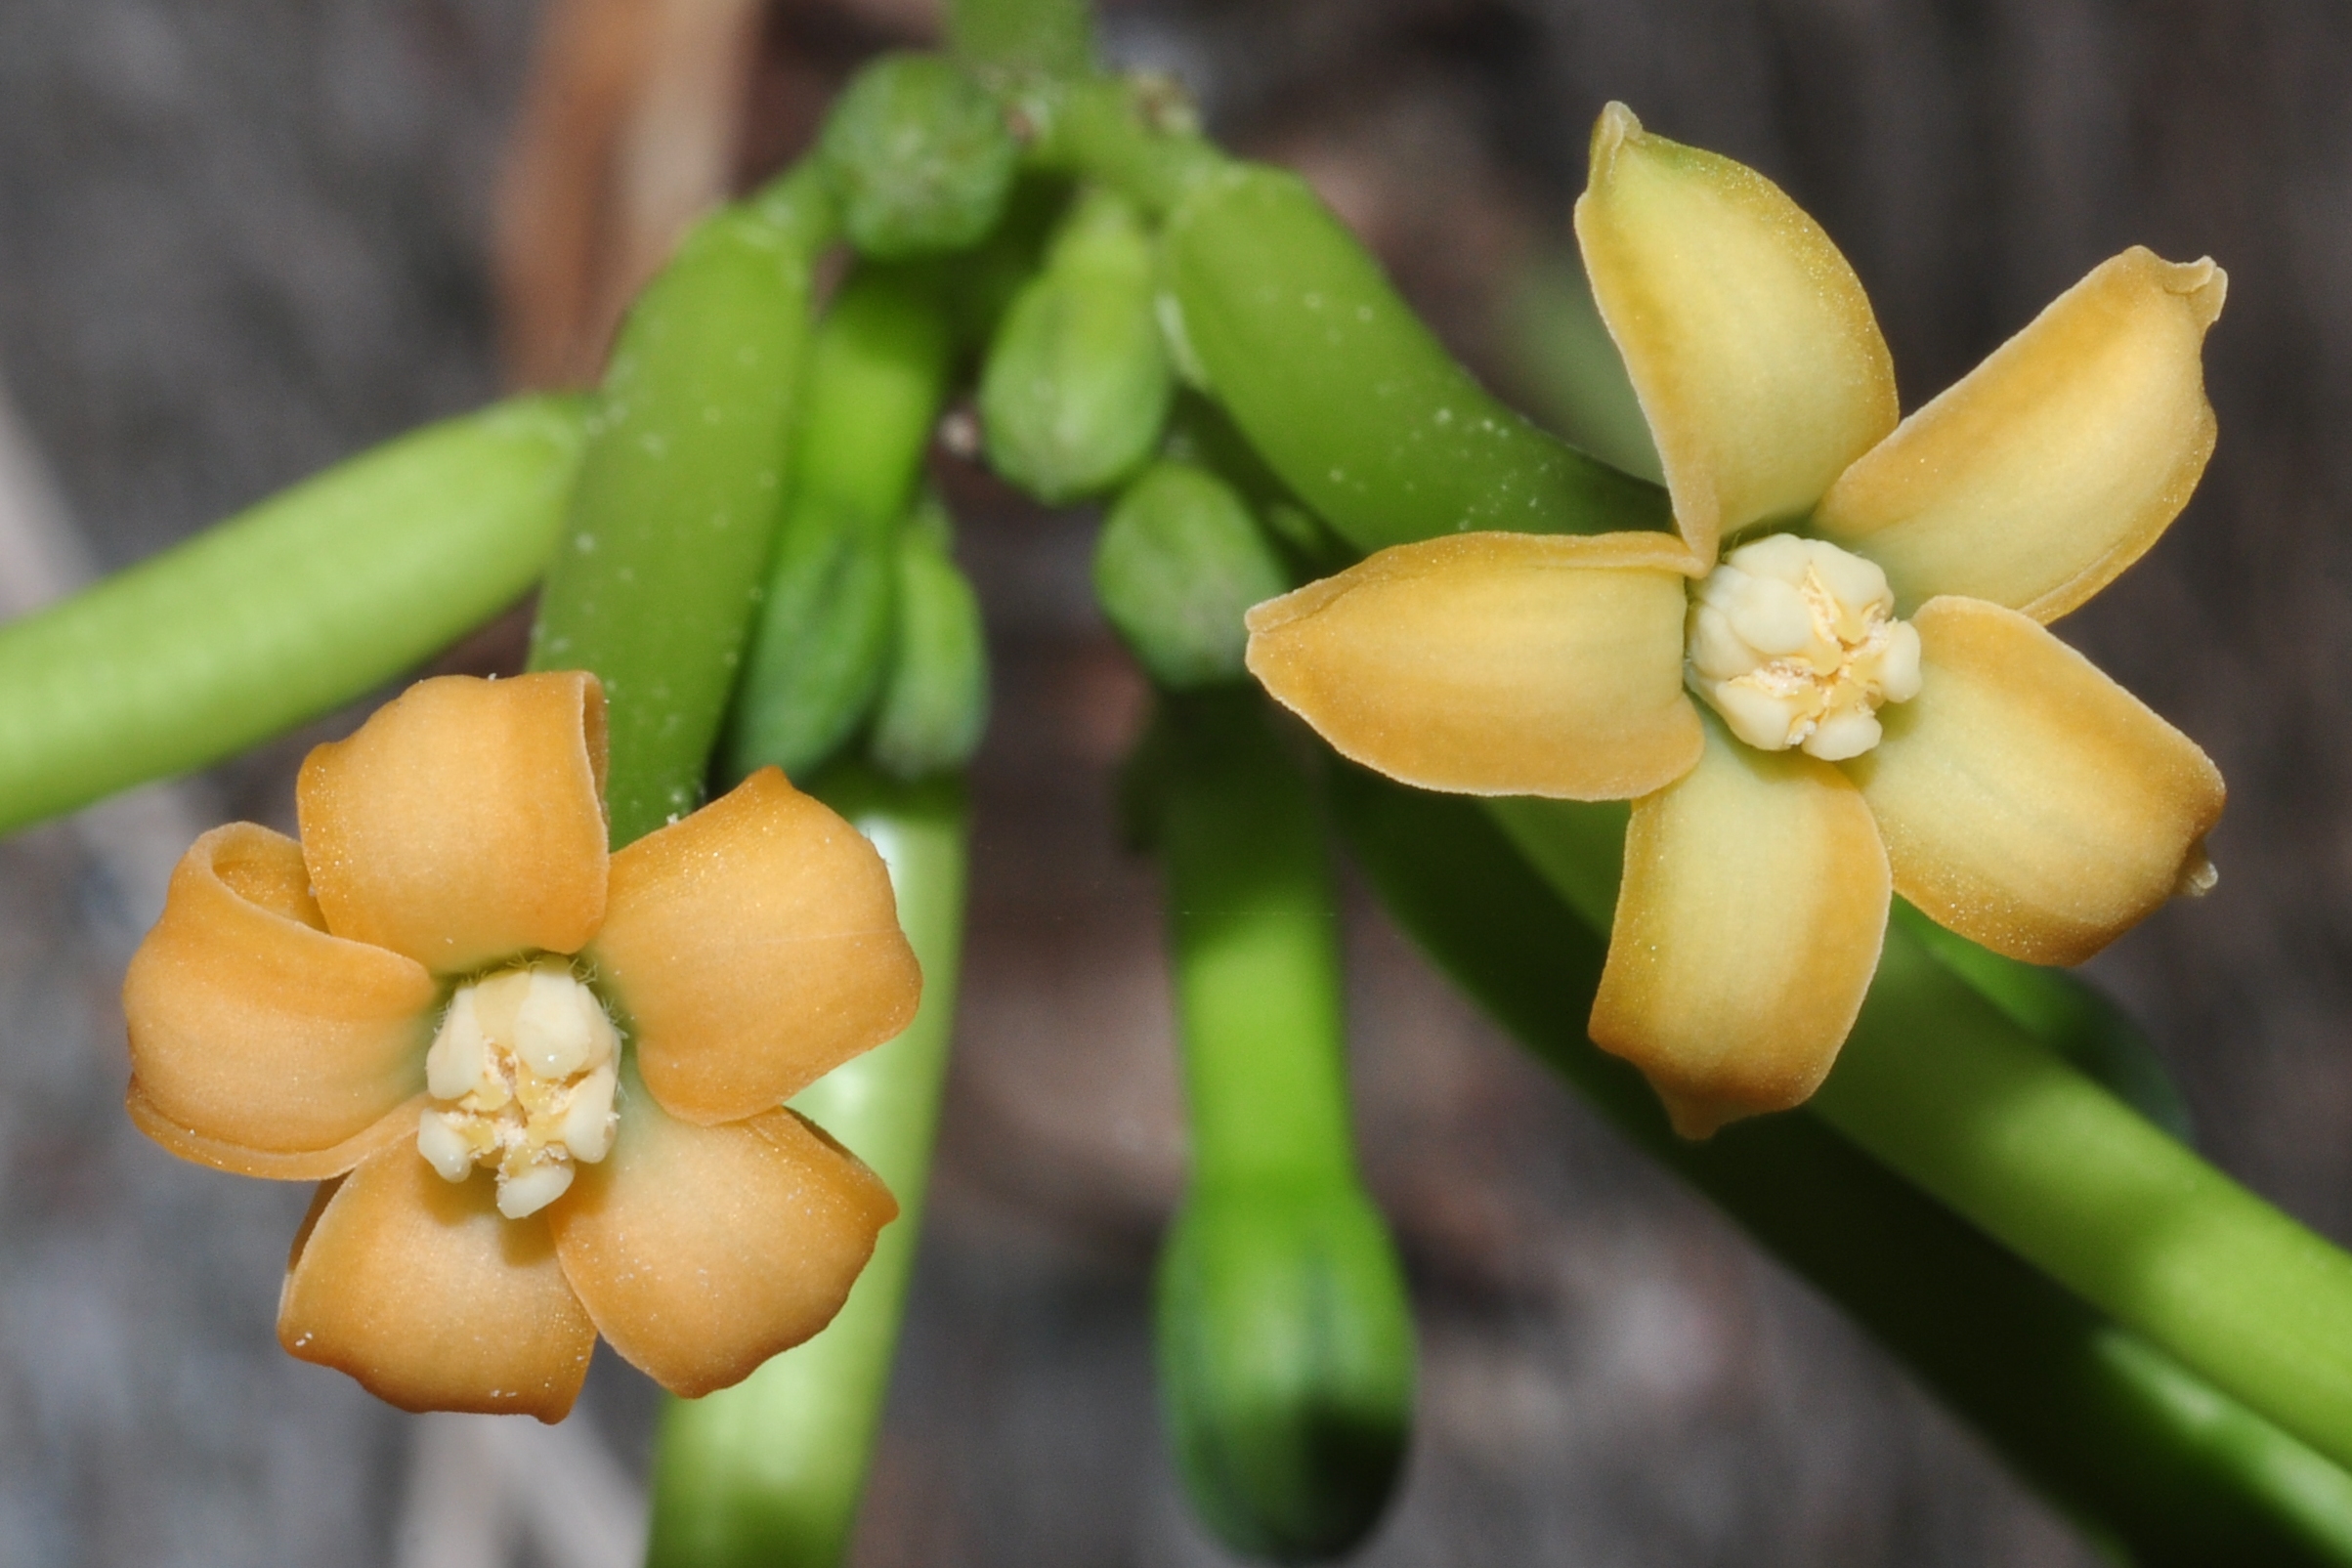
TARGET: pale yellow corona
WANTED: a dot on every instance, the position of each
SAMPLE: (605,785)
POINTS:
(1794,641)
(522,1076)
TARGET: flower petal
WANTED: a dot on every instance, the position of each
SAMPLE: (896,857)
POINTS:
(1747,929)
(702,1252)
(2029,802)
(395,1126)
(464,822)
(1494,663)
(754,947)
(2058,461)
(423,1291)
(1750,342)
(254,1031)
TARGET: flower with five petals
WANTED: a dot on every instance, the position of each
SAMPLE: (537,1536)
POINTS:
(541,1084)
(1861,697)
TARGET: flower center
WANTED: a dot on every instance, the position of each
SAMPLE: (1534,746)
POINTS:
(1795,642)
(522,1077)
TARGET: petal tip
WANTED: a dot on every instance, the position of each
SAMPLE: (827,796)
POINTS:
(2201,283)
(1616,126)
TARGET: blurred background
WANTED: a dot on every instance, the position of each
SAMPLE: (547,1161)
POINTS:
(241,239)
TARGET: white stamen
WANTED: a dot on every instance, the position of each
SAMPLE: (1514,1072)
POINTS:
(534,1189)
(523,1073)
(1795,642)
(443,1147)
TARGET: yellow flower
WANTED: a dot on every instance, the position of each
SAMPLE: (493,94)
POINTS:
(1879,703)
(543,1085)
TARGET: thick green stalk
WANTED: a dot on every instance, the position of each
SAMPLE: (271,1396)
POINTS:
(1941,1085)
(655,587)
(1285,1337)
(1256,941)
(2150,1457)
(286,611)
(768,1474)
(1343,391)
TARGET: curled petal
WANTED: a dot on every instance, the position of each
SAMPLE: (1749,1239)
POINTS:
(2028,801)
(2058,461)
(1747,929)
(423,1291)
(754,947)
(1750,342)
(395,1126)
(1494,663)
(464,822)
(255,1035)
(702,1252)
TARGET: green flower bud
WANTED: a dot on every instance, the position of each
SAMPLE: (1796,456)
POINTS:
(921,157)
(1180,563)
(822,645)
(1077,383)
(1286,1365)
(934,706)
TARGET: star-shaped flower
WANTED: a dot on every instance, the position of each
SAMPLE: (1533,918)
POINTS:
(1878,705)
(543,1085)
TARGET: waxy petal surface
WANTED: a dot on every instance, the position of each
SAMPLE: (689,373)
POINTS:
(1494,663)
(397,1126)
(702,1252)
(754,947)
(2056,462)
(2028,801)
(1751,345)
(420,1289)
(464,822)
(256,1033)
(1747,929)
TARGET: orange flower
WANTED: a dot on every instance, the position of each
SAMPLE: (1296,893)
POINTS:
(543,1083)
(1834,681)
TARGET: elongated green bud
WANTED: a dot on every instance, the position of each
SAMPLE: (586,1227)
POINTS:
(921,157)
(934,706)
(1286,1365)
(286,611)
(1178,565)
(655,585)
(1347,395)
(822,648)
(1078,382)
(1286,1345)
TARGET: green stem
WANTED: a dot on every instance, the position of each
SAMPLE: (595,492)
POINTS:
(2114,1430)
(1257,948)
(1285,1336)
(770,1473)
(1939,1086)
(1119,132)
(283,613)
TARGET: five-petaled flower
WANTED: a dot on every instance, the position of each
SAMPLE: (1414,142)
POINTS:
(1883,708)
(542,1086)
